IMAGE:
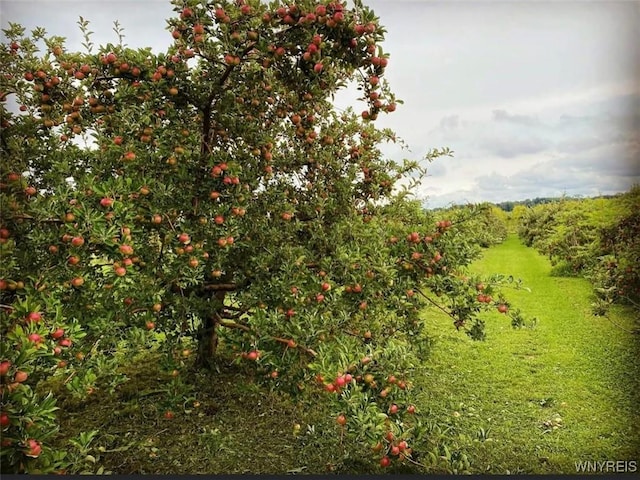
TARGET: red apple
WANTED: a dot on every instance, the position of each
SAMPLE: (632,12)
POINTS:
(413,237)
(34,317)
(34,449)
(34,338)
(57,333)
(5,365)
(129,156)
(77,241)
(220,13)
(106,202)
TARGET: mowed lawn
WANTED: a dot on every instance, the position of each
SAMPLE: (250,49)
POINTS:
(537,400)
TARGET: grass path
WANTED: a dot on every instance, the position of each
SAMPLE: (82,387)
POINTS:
(538,399)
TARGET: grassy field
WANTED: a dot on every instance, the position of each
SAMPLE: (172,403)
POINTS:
(523,401)
(538,399)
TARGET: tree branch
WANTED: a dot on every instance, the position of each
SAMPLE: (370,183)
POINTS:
(233,324)
(308,351)
(436,304)
(221,287)
(227,72)
(34,219)
(245,328)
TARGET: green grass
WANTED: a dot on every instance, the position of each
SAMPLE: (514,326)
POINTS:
(503,397)
(497,401)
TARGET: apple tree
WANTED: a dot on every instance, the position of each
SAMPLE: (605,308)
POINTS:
(211,193)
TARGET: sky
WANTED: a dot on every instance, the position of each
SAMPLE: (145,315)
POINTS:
(535,98)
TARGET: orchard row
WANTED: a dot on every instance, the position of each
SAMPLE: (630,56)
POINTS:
(596,238)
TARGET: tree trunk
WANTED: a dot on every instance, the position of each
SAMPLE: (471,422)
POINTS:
(208,335)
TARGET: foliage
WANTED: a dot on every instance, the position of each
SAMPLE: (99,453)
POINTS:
(210,197)
(596,238)
(489,224)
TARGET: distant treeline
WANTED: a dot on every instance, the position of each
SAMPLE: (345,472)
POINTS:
(509,206)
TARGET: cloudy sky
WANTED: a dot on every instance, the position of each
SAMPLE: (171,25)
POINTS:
(535,98)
